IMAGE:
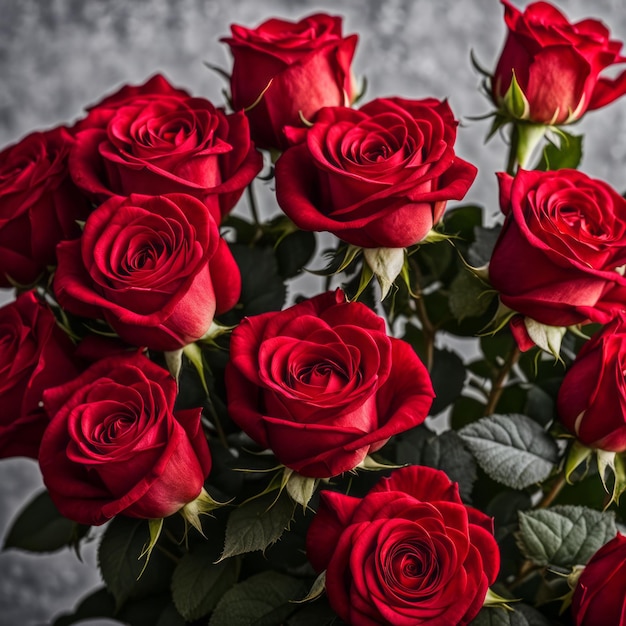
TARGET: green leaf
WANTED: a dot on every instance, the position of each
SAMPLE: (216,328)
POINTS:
(466,411)
(468,296)
(262,288)
(170,617)
(446,452)
(100,603)
(521,615)
(198,583)
(120,565)
(39,527)
(317,613)
(265,599)
(512,449)
(294,251)
(564,535)
(257,524)
(462,220)
(484,242)
(567,154)
(448,377)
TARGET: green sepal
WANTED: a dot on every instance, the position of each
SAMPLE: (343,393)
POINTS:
(155,526)
(317,589)
(515,102)
(577,455)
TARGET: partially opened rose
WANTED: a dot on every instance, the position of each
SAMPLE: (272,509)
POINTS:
(39,205)
(600,594)
(284,71)
(155,268)
(322,385)
(592,397)
(409,552)
(557,64)
(35,354)
(154,139)
(115,445)
(376,177)
(560,255)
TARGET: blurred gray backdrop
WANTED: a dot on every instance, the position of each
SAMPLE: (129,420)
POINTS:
(57,56)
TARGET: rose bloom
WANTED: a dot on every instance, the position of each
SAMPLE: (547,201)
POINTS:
(600,594)
(114,444)
(322,385)
(557,64)
(39,205)
(376,177)
(283,70)
(154,139)
(155,268)
(559,256)
(409,552)
(35,354)
(592,397)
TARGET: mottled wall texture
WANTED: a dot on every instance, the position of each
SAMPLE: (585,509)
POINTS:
(57,56)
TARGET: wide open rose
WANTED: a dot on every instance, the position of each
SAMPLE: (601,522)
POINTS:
(410,552)
(557,64)
(154,139)
(376,177)
(559,257)
(289,69)
(322,385)
(600,594)
(39,205)
(592,398)
(35,354)
(114,444)
(155,268)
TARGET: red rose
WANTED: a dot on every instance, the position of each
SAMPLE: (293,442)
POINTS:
(376,177)
(322,385)
(592,398)
(600,594)
(284,69)
(559,257)
(34,354)
(39,205)
(155,268)
(410,552)
(154,139)
(557,64)
(114,444)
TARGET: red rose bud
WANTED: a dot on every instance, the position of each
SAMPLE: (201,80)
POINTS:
(155,268)
(556,66)
(36,354)
(322,385)
(378,177)
(559,256)
(592,398)
(154,139)
(600,594)
(409,552)
(114,444)
(39,205)
(285,71)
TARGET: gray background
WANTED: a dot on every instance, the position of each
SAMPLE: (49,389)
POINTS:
(57,56)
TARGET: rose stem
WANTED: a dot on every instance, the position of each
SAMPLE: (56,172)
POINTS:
(500,381)
(428,328)
(549,498)
(252,205)
(513,145)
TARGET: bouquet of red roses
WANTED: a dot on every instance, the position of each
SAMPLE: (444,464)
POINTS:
(265,456)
